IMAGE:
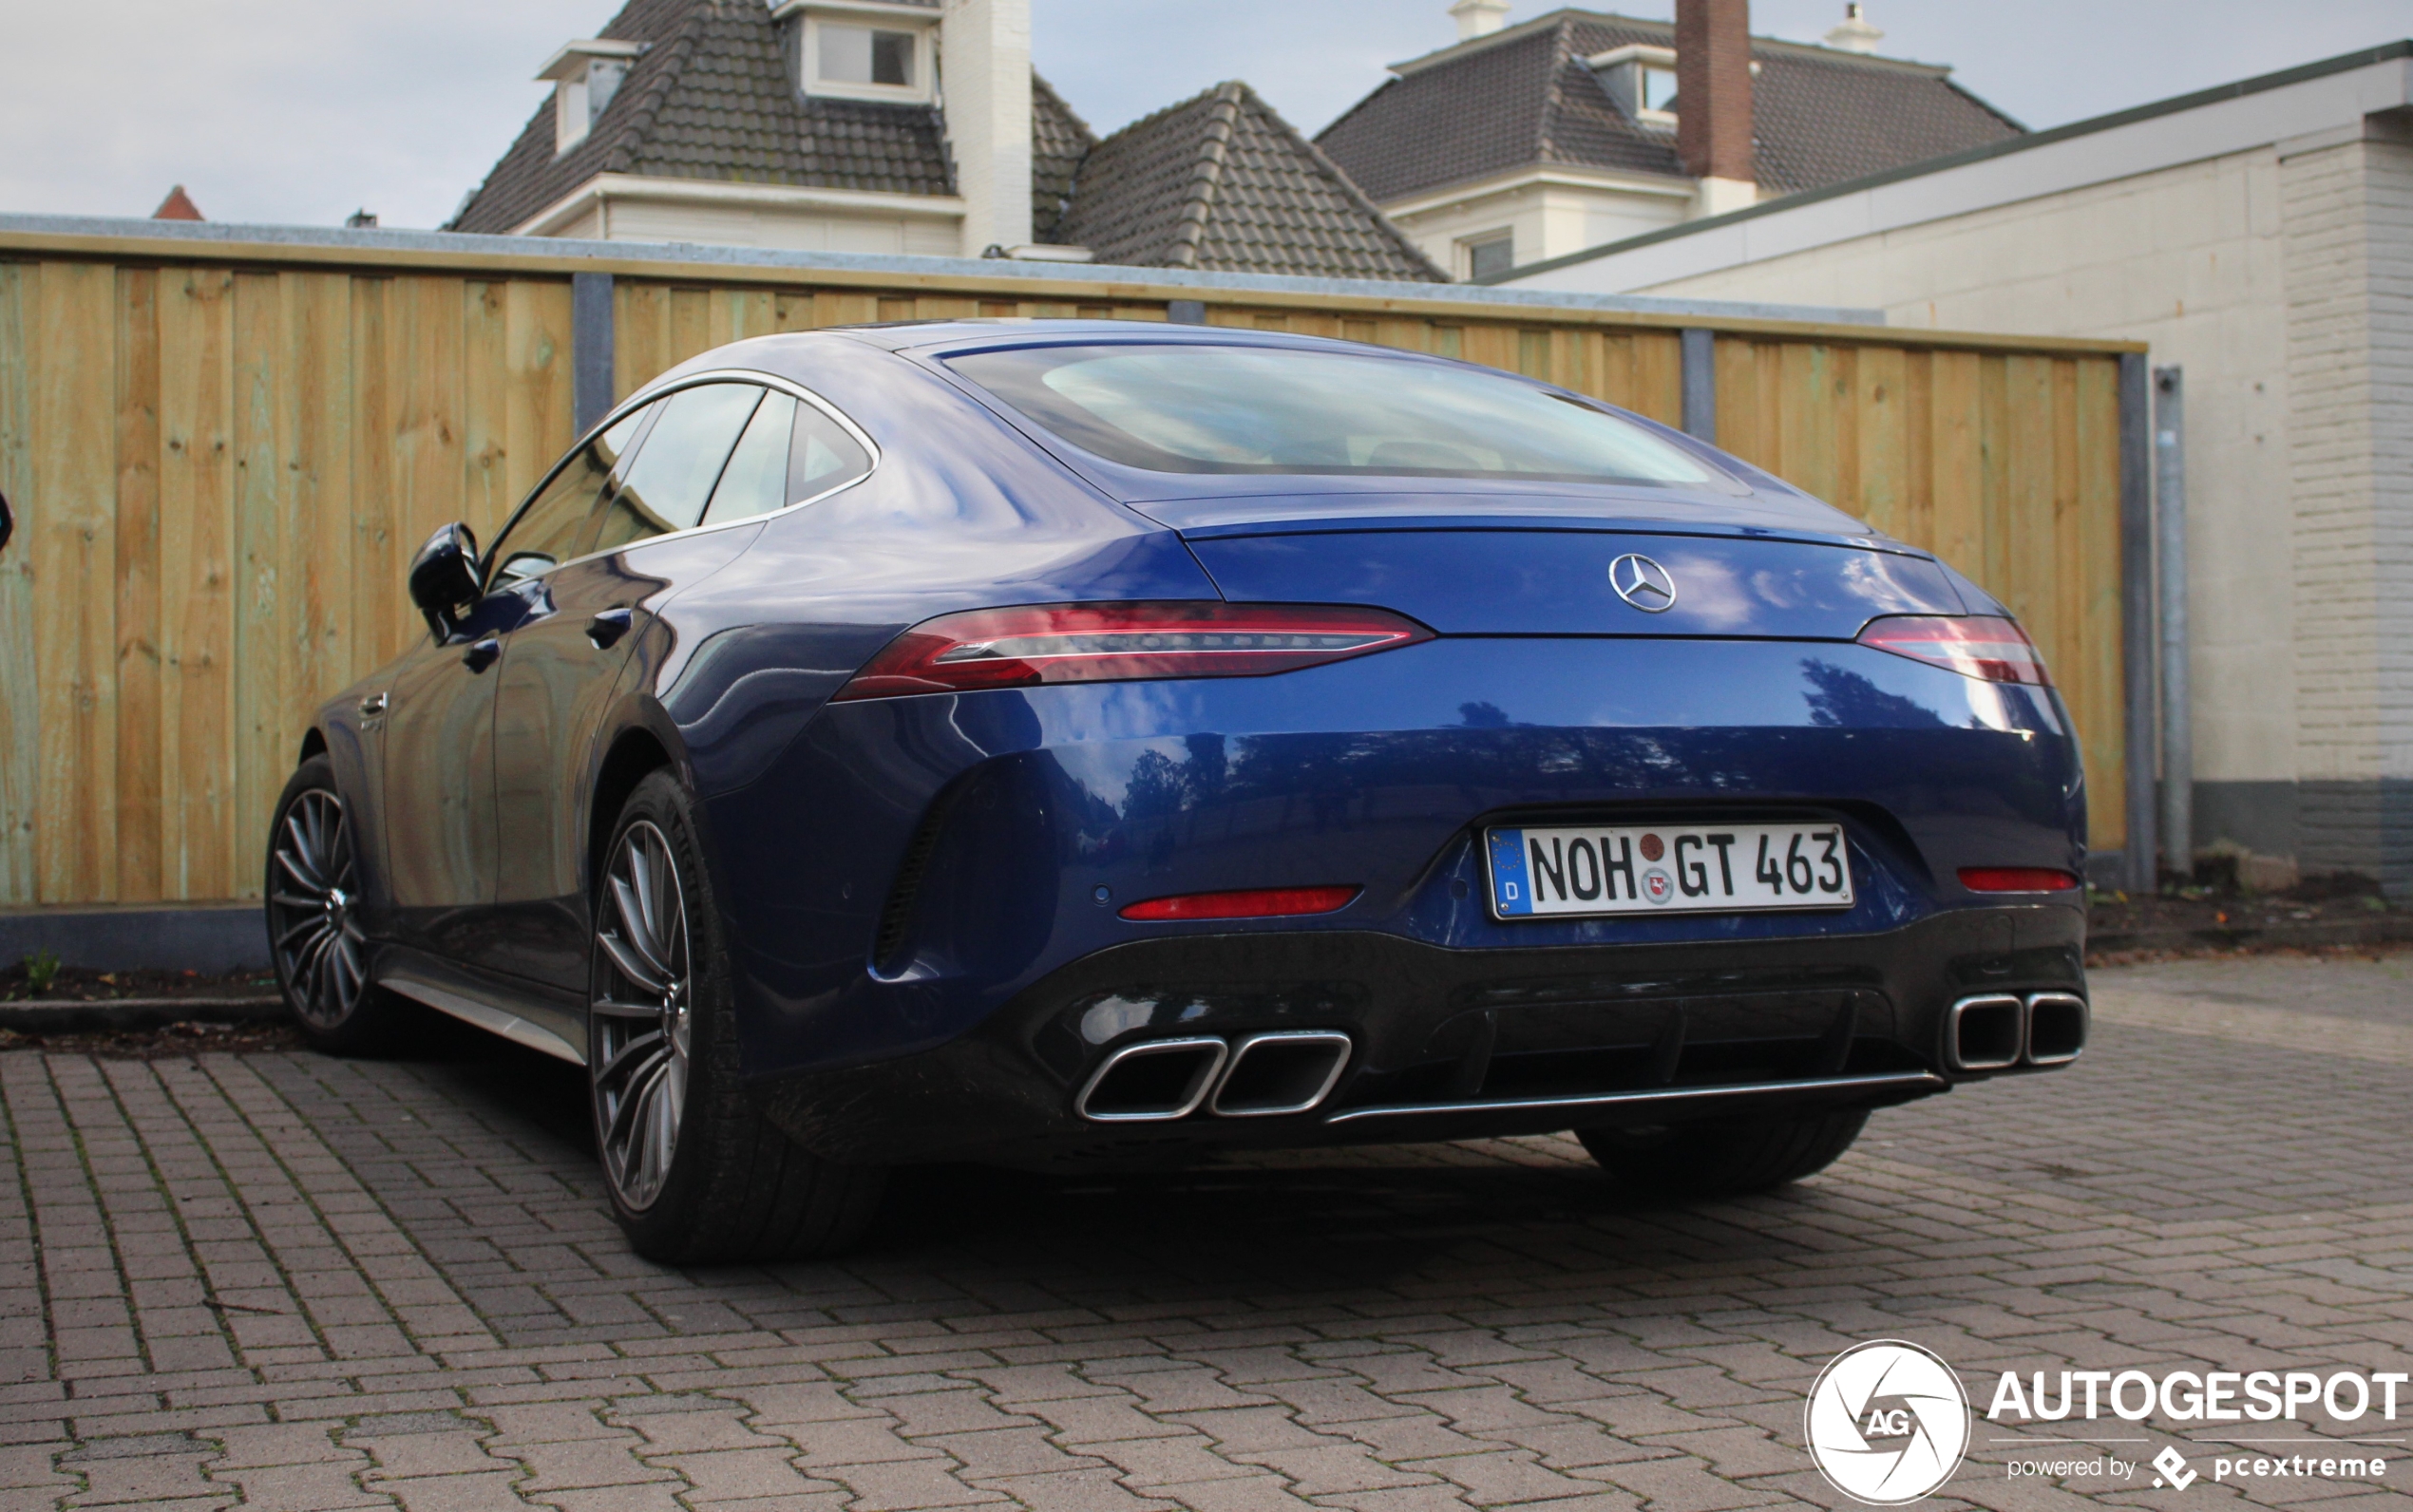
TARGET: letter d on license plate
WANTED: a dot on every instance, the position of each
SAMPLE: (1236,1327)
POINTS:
(1666,868)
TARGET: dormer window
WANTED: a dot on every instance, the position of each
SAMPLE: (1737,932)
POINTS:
(861,49)
(585,76)
(1641,79)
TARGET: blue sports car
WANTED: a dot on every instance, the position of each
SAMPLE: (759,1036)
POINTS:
(1089,744)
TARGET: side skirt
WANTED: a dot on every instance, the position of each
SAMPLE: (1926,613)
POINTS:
(517,1014)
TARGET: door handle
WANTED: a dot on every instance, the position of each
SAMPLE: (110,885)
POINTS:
(481,654)
(372,706)
(608,627)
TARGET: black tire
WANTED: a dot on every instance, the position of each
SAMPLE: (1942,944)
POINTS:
(662,1045)
(1724,1159)
(315,941)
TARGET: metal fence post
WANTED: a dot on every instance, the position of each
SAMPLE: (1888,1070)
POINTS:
(2137,617)
(1700,384)
(590,349)
(2169,530)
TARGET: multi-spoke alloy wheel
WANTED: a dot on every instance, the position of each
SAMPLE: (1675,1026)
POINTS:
(313,889)
(641,1015)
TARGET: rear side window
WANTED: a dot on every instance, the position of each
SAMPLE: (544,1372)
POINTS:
(671,480)
(824,455)
(756,481)
(1182,407)
(547,532)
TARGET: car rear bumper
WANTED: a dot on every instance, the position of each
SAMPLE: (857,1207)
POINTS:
(1445,1042)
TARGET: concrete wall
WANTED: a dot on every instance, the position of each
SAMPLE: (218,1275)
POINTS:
(2218,264)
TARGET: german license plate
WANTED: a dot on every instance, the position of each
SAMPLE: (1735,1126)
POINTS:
(1667,869)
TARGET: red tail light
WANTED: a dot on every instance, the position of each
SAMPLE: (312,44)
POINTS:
(1265,902)
(1989,649)
(2016,879)
(1114,643)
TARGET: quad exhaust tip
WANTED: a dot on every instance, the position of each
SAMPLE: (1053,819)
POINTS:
(1287,1072)
(1261,1076)
(1997,1030)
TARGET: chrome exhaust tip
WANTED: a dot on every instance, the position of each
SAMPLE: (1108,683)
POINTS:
(1986,1034)
(1153,1082)
(1289,1071)
(2055,1028)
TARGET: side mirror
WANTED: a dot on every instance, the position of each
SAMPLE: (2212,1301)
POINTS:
(8,521)
(444,578)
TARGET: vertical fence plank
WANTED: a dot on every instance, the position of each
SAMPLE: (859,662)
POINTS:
(197,571)
(20,682)
(537,397)
(377,547)
(428,324)
(73,544)
(136,447)
(486,345)
(322,621)
(1880,462)
(2091,680)
(260,667)
(1956,436)
(641,336)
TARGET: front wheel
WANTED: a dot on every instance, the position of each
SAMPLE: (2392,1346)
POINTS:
(1724,1159)
(696,1173)
(314,935)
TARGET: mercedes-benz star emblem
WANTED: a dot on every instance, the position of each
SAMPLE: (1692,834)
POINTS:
(1643,583)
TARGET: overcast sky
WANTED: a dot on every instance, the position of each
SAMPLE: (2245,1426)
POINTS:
(300,111)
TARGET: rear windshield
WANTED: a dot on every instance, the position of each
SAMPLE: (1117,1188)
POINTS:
(1197,408)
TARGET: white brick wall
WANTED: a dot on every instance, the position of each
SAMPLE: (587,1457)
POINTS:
(2348,215)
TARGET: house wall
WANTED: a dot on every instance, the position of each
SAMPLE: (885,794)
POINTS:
(2347,209)
(2207,262)
(1549,220)
(738,225)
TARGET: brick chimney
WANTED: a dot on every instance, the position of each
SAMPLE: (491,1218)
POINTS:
(1713,103)
(984,75)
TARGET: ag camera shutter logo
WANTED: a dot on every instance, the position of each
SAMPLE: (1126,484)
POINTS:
(1888,1423)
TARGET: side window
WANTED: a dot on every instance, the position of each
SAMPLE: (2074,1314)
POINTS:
(824,455)
(756,481)
(666,487)
(547,532)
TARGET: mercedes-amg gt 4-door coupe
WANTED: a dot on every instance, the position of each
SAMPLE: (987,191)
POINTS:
(1091,744)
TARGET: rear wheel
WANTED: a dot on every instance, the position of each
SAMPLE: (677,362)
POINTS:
(1724,1159)
(314,935)
(696,1173)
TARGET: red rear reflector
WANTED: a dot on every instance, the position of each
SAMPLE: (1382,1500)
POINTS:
(1265,902)
(2016,879)
(1982,645)
(1110,643)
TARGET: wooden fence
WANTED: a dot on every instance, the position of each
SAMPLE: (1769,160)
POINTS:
(222,455)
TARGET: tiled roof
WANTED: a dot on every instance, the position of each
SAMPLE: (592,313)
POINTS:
(1525,98)
(710,98)
(1059,141)
(1222,184)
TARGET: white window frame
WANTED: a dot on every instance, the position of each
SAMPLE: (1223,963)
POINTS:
(570,72)
(1495,237)
(919,20)
(1636,57)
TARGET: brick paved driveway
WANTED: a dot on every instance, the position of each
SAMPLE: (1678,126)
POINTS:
(283,1281)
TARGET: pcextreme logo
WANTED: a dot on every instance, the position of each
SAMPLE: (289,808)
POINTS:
(1887,1423)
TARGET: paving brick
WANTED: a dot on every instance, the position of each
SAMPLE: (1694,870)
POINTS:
(296,1282)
